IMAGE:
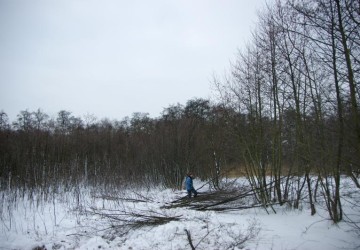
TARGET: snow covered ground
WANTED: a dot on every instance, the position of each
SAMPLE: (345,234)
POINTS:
(74,220)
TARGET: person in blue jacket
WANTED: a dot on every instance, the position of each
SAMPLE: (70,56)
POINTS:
(189,185)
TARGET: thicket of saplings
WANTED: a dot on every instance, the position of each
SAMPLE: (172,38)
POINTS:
(297,80)
(287,117)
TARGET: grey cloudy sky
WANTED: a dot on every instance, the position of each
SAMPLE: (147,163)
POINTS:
(112,58)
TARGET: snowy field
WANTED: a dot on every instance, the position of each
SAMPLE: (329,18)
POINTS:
(85,219)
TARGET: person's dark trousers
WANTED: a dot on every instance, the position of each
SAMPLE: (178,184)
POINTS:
(192,190)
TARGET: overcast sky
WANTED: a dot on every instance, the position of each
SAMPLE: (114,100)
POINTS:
(111,58)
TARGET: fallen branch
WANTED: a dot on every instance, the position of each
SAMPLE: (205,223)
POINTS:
(189,239)
(113,198)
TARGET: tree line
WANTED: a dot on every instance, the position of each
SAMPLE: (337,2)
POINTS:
(286,117)
(37,151)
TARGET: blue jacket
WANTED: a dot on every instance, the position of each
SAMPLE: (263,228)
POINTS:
(189,183)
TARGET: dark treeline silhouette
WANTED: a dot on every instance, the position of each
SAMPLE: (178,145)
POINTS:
(287,118)
(37,151)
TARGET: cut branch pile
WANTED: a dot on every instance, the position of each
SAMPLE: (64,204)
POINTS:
(220,200)
(134,219)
